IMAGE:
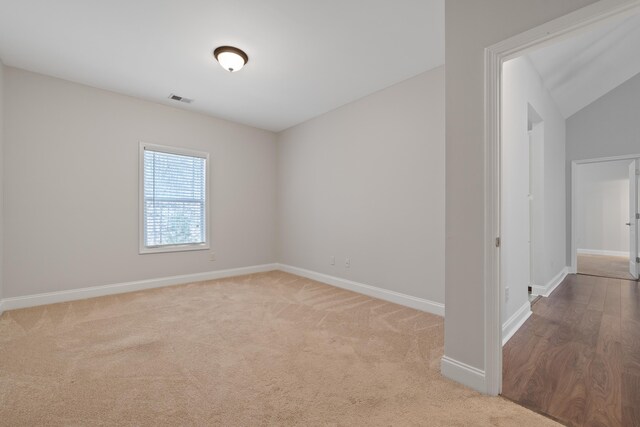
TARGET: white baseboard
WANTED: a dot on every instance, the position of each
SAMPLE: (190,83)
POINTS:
(463,373)
(546,290)
(372,291)
(603,252)
(118,288)
(511,326)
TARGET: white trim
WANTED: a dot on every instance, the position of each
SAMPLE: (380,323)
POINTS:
(372,291)
(553,31)
(573,268)
(144,250)
(514,323)
(551,286)
(603,252)
(463,373)
(174,248)
(180,151)
(492,374)
(119,288)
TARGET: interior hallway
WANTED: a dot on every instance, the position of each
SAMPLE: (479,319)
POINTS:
(577,358)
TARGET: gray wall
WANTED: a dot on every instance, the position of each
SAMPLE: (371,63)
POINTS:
(470,27)
(1,180)
(608,127)
(72,190)
(523,90)
(366,181)
(71,187)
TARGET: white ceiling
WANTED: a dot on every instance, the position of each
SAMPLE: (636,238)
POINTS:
(305,57)
(581,69)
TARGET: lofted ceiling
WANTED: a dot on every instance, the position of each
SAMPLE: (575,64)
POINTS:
(581,69)
(305,57)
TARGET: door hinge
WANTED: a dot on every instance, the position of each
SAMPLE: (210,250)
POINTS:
(497,242)
(638,260)
(638,216)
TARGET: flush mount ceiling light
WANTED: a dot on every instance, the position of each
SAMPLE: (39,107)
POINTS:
(231,58)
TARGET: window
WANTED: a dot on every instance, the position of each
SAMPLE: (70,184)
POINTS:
(173,199)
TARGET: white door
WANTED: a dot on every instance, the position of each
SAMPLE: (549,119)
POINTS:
(633,217)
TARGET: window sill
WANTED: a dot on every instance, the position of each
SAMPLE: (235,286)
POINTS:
(173,248)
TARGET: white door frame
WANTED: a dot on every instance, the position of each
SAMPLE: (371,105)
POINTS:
(551,32)
(573,268)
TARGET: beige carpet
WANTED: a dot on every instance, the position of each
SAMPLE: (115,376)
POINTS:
(264,349)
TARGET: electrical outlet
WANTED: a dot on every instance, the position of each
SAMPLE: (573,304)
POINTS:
(212,256)
(506,294)
(347,263)
(332,260)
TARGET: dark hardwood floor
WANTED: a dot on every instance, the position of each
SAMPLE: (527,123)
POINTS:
(577,358)
(615,267)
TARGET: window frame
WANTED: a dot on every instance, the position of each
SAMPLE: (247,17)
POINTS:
(142,248)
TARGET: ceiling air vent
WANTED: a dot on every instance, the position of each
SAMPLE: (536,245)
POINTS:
(180,98)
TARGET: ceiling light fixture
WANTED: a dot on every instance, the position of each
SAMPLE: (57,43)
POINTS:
(231,58)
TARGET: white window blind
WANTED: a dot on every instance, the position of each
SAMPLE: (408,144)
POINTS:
(174,199)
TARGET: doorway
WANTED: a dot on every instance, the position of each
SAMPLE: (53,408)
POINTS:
(604,211)
(583,336)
